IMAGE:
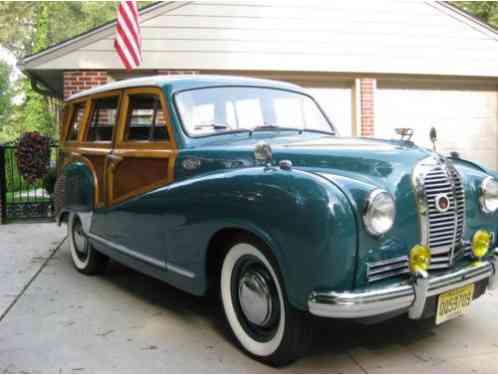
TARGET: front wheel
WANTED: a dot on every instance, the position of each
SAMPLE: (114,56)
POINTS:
(85,258)
(256,307)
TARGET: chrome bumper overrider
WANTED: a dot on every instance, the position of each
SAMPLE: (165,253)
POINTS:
(411,295)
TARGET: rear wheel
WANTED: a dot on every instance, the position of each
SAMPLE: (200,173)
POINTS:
(256,307)
(85,258)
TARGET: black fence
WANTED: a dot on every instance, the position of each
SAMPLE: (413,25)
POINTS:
(20,200)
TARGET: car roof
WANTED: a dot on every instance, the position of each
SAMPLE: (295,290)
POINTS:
(186,82)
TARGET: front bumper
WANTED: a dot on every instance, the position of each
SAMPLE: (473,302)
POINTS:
(411,295)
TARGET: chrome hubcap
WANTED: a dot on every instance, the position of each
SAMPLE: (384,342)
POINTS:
(255,298)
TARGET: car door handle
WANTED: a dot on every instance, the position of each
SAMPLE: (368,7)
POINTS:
(114,158)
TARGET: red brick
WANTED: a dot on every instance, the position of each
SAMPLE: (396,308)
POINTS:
(76,81)
(367,106)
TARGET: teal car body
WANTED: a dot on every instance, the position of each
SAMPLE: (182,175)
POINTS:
(310,215)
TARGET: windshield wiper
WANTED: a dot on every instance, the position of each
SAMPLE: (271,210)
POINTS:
(215,126)
(320,131)
(225,129)
(275,127)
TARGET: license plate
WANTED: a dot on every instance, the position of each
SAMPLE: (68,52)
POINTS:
(454,303)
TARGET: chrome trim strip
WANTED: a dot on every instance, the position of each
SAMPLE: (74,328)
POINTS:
(410,295)
(129,252)
(144,258)
(179,270)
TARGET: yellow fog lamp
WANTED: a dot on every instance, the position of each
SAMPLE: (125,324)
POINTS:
(481,242)
(420,258)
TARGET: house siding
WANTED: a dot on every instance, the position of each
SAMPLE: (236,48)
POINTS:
(404,37)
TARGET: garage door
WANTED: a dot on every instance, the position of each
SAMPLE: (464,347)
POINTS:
(464,116)
(337,104)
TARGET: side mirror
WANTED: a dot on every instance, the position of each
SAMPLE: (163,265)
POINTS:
(263,152)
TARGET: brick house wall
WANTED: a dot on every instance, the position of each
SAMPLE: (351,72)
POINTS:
(77,80)
(367,95)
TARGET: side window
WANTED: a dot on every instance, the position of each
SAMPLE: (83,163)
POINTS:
(145,121)
(103,119)
(76,119)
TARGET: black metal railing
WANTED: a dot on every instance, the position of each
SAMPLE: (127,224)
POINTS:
(20,200)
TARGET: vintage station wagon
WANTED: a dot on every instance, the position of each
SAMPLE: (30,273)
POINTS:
(242,186)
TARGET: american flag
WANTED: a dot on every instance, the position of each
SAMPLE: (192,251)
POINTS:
(128,42)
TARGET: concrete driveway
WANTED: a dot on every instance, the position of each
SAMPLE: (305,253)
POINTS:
(55,319)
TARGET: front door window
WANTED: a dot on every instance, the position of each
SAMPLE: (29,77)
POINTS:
(145,120)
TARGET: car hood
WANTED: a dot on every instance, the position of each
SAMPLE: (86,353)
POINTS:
(379,162)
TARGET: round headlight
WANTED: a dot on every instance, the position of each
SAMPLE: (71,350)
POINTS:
(489,195)
(379,212)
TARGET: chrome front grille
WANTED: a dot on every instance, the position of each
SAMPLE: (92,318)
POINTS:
(442,231)
(387,268)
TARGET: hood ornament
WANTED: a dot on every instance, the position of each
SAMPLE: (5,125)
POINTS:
(433,137)
(405,133)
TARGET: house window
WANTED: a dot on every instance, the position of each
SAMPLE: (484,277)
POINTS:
(145,120)
(103,119)
(75,125)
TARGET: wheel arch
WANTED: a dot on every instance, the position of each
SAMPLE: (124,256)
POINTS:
(80,187)
(223,237)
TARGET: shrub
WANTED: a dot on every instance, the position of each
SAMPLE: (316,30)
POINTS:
(33,156)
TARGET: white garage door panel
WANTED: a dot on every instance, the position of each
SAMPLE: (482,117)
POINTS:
(465,118)
(337,104)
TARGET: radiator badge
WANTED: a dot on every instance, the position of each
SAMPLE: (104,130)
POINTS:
(442,202)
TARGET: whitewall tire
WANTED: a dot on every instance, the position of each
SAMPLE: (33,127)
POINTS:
(85,258)
(256,307)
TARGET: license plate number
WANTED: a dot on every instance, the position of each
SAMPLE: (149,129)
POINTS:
(454,303)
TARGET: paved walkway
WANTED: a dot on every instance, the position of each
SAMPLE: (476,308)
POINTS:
(24,248)
(124,321)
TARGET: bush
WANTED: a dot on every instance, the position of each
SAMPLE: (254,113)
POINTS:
(33,156)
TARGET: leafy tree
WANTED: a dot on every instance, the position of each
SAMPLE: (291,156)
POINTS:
(5,93)
(36,113)
(67,19)
(487,11)
(34,26)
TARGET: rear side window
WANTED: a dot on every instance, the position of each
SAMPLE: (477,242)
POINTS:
(103,119)
(145,121)
(76,119)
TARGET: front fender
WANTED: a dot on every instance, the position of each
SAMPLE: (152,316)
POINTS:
(307,222)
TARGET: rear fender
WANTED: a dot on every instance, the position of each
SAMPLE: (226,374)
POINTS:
(79,188)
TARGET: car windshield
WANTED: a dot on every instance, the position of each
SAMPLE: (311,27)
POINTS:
(218,110)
